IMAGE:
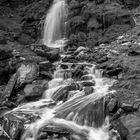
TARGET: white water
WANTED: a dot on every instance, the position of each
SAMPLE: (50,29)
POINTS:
(74,104)
(55,28)
(48,112)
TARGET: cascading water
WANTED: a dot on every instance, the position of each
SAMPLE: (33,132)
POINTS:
(55,28)
(71,114)
(68,103)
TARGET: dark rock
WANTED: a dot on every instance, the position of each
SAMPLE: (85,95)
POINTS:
(127,107)
(117,114)
(112,105)
(45,66)
(10,86)
(88,83)
(122,130)
(78,72)
(74,86)
(88,90)
(114,72)
(46,75)
(40,47)
(69,60)
(64,66)
(5,55)
(53,55)
(13,126)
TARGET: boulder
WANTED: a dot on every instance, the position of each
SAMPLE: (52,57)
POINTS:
(88,90)
(35,90)
(13,126)
(132,123)
(27,73)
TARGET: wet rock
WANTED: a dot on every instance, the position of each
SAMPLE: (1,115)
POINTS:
(117,114)
(13,126)
(74,86)
(64,66)
(88,83)
(78,72)
(60,94)
(34,91)
(55,133)
(92,114)
(88,90)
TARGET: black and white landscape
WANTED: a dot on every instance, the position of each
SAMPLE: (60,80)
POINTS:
(69,70)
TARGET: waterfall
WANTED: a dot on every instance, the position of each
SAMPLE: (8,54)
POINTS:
(74,100)
(55,28)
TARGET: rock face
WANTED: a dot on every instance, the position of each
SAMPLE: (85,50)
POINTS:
(93,22)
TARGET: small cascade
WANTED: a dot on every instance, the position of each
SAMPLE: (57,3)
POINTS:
(72,102)
(55,28)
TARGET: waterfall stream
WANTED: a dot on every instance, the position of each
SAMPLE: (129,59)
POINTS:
(72,103)
(80,113)
(55,28)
